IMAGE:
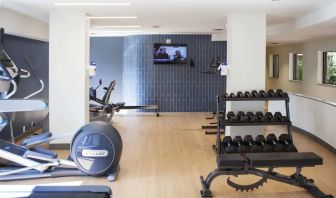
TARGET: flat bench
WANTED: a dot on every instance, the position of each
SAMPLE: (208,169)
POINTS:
(258,160)
(248,163)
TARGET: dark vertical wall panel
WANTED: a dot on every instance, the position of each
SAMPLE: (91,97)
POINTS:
(175,88)
(38,52)
(107,53)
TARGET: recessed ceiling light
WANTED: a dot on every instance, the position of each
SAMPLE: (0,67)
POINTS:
(117,31)
(91,4)
(113,17)
(118,26)
(156,26)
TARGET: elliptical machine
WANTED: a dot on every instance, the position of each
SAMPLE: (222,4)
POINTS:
(10,76)
(95,148)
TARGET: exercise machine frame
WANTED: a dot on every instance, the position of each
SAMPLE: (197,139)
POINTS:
(104,107)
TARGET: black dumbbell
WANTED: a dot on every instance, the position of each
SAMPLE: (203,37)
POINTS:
(252,147)
(286,141)
(232,117)
(254,93)
(251,117)
(262,94)
(226,95)
(240,94)
(261,141)
(232,95)
(240,147)
(272,140)
(281,93)
(269,116)
(227,145)
(271,93)
(261,116)
(247,94)
(280,117)
(242,117)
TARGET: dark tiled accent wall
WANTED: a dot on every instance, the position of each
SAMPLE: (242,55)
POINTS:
(175,88)
(38,52)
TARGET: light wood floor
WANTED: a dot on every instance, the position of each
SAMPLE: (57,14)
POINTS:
(164,158)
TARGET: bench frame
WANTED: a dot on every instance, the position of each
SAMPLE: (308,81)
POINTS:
(295,179)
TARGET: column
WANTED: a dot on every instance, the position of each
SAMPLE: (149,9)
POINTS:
(68,75)
(246,41)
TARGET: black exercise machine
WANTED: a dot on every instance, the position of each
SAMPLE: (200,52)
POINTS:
(245,156)
(10,78)
(102,109)
(213,69)
(104,106)
(95,148)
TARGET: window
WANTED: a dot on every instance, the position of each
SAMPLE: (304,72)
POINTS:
(297,66)
(274,66)
(329,68)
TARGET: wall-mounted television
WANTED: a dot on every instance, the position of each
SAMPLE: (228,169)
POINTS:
(170,53)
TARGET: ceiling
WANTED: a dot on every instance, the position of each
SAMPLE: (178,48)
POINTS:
(185,16)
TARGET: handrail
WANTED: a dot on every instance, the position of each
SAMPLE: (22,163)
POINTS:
(314,98)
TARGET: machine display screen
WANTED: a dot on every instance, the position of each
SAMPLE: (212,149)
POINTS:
(12,148)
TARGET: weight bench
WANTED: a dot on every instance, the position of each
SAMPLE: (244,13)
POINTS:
(247,163)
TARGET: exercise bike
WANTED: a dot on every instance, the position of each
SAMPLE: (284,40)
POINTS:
(213,69)
(103,107)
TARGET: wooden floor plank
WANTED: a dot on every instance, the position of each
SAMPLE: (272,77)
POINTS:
(165,156)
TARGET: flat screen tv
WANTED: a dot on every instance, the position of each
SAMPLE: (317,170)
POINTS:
(170,53)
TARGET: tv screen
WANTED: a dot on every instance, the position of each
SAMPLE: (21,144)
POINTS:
(170,53)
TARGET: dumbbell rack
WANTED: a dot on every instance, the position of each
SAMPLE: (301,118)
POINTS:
(253,163)
(222,123)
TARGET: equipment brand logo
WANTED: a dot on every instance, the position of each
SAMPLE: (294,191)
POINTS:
(95,153)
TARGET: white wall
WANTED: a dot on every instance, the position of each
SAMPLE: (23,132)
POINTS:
(22,25)
(220,36)
(68,76)
(309,85)
(311,115)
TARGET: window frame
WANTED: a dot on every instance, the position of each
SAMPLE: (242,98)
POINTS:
(325,67)
(274,64)
(295,55)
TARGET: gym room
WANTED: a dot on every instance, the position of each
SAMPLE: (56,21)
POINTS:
(168,98)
